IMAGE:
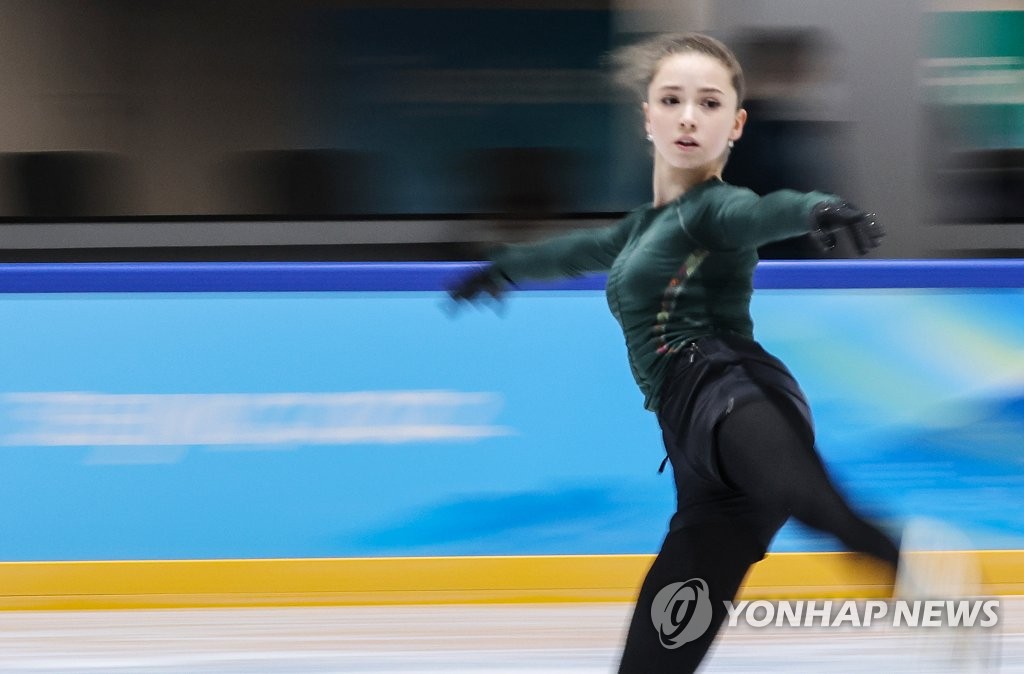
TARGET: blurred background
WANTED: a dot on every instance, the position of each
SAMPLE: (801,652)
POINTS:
(414,130)
(313,424)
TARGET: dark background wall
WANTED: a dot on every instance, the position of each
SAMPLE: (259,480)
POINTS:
(442,127)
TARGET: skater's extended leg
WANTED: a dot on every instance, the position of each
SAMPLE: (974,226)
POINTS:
(765,451)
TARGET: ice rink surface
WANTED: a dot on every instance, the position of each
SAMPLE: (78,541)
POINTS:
(576,638)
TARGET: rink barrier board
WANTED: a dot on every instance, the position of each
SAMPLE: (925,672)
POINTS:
(437,580)
(174,277)
(405,580)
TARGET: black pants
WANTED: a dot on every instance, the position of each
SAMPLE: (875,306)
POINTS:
(739,437)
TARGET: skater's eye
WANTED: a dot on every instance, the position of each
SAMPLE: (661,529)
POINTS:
(669,100)
(711,103)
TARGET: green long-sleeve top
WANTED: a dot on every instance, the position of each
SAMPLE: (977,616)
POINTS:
(676,272)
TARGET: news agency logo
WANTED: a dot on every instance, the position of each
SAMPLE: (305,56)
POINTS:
(962,613)
(681,612)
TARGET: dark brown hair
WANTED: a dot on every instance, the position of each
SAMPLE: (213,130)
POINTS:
(637,64)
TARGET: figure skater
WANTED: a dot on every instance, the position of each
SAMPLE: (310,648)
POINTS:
(736,426)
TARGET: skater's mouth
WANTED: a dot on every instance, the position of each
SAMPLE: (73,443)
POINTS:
(687,142)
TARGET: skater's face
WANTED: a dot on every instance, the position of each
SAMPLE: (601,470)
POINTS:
(691,111)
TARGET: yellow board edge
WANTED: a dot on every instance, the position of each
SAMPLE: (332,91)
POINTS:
(435,580)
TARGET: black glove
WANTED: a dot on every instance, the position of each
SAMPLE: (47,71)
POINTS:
(830,217)
(486,281)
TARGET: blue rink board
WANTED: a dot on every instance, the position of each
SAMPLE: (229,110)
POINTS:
(293,411)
